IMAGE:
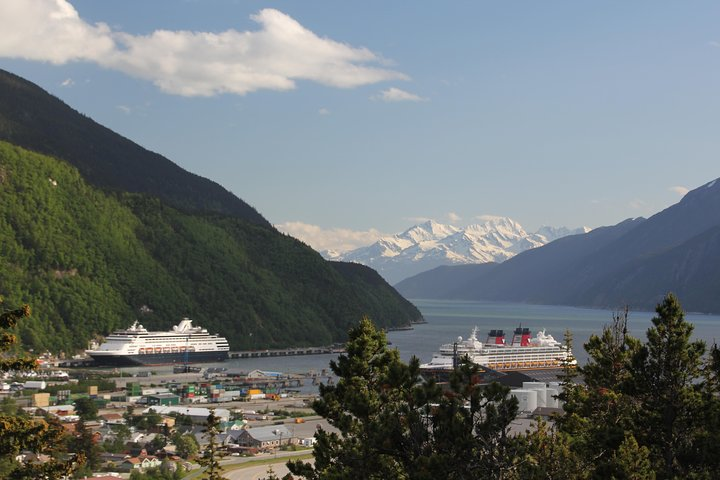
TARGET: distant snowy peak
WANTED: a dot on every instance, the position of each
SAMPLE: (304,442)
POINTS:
(430,230)
(431,244)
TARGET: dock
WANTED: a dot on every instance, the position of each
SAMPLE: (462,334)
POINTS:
(287,352)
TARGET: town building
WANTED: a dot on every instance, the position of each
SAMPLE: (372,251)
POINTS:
(265,438)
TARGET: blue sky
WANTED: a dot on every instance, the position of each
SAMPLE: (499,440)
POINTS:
(340,121)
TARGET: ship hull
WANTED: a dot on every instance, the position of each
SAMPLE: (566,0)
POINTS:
(158,359)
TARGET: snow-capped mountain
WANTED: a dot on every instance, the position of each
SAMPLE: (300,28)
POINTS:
(432,244)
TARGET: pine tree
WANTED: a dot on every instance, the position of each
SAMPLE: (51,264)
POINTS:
(393,426)
(8,320)
(366,405)
(19,433)
(667,374)
(632,461)
(210,458)
(600,411)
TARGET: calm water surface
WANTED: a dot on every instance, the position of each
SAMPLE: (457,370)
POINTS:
(449,319)
(446,320)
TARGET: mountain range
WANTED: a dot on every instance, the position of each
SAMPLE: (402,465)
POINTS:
(432,244)
(634,263)
(96,231)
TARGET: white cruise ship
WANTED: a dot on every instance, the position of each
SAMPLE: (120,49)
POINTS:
(522,353)
(183,344)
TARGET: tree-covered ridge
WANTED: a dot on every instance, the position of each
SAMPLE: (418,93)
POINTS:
(32,118)
(89,262)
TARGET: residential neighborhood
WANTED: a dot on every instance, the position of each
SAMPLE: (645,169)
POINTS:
(138,425)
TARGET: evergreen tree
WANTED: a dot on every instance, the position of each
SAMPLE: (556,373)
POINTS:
(632,461)
(19,433)
(86,408)
(186,445)
(546,453)
(393,426)
(9,320)
(667,374)
(83,441)
(599,412)
(210,458)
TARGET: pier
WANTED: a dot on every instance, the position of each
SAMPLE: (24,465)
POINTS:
(287,352)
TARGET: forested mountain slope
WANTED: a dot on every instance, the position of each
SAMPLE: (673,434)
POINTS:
(89,261)
(32,118)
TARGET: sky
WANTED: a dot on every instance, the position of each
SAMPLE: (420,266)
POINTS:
(344,121)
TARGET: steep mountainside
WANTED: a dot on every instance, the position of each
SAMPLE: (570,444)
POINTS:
(89,262)
(635,262)
(32,118)
(431,244)
(444,282)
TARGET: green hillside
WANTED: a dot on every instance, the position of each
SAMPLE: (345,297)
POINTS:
(89,261)
(32,118)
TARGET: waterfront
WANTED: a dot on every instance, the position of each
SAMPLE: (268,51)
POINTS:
(446,320)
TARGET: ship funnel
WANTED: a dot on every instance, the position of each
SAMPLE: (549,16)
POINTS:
(496,337)
(521,337)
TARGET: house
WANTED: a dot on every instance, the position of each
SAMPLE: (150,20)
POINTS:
(139,463)
(266,438)
(107,457)
(112,460)
(57,410)
(113,419)
(141,438)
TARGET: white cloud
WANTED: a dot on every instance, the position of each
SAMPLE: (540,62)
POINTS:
(396,95)
(191,63)
(714,44)
(336,239)
(454,217)
(679,190)
(324,111)
(125,109)
(68,82)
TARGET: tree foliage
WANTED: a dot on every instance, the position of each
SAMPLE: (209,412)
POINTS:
(19,433)
(394,426)
(91,261)
(86,408)
(186,446)
(644,410)
(211,456)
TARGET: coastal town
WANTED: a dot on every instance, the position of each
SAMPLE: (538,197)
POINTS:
(157,420)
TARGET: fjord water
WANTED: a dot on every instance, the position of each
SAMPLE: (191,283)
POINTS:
(447,320)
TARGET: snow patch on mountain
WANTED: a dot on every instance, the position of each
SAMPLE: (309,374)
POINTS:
(432,244)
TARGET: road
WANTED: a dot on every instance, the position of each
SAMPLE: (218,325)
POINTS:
(257,472)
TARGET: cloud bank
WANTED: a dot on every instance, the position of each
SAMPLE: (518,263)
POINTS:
(188,63)
(334,239)
(454,217)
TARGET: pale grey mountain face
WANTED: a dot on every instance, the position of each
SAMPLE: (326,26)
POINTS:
(431,244)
